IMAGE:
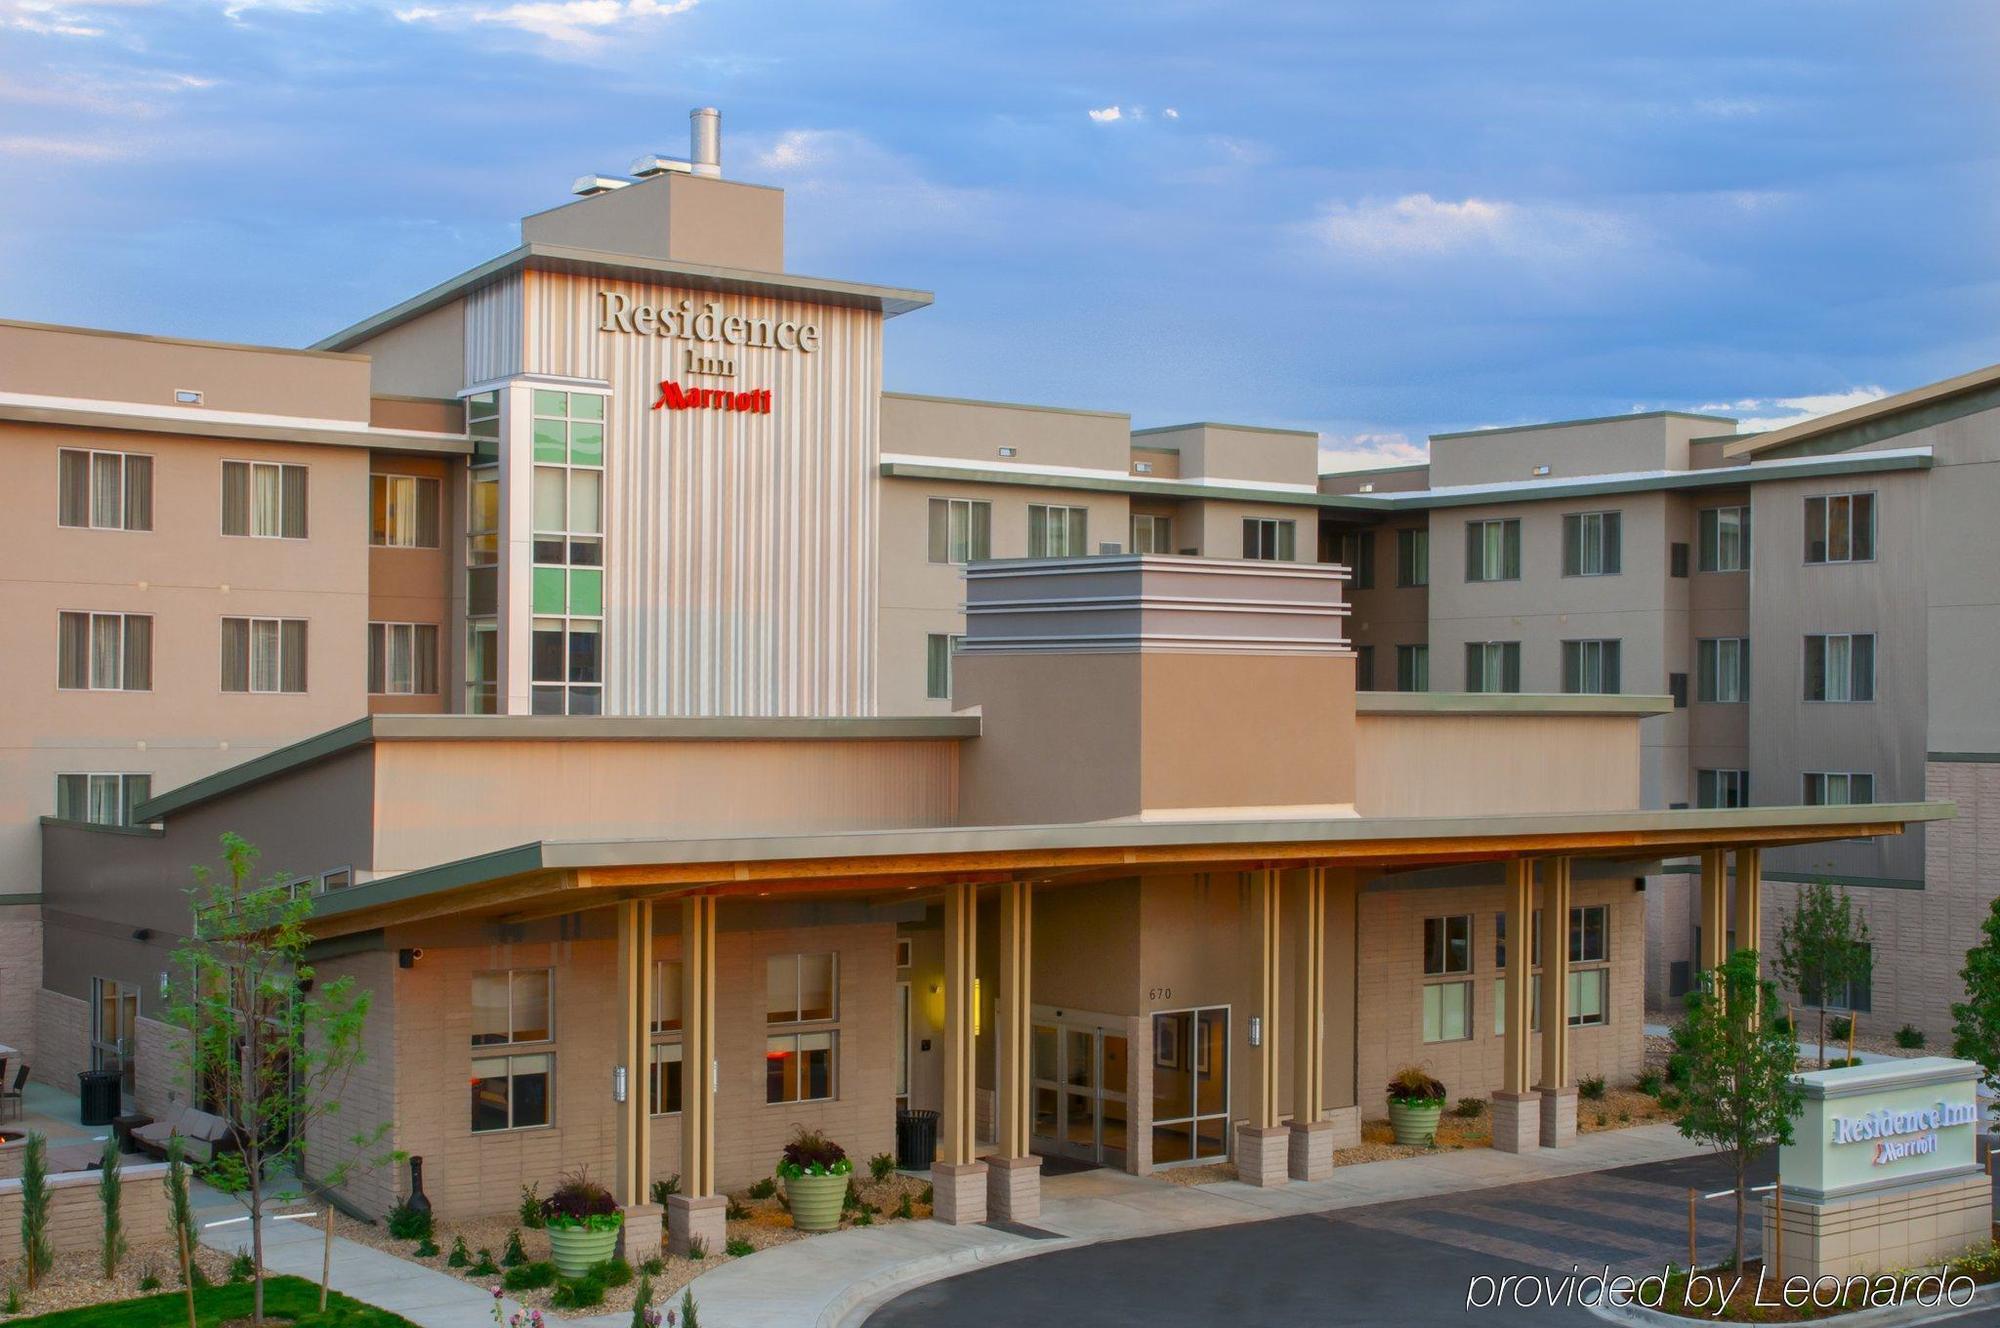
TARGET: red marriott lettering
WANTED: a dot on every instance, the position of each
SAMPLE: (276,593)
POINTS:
(675,397)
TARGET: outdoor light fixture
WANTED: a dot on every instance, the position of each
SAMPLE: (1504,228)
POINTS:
(166,982)
(1256,1030)
(408,958)
(617,1083)
(1541,470)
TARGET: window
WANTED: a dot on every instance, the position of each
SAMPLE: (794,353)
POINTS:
(1590,667)
(1413,557)
(1838,788)
(1840,668)
(1840,528)
(1493,550)
(1447,1011)
(799,988)
(1151,533)
(566,674)
(1500,1007)
(263,500)
(1413,668)
(1859,995)
(403,511)
(1722,788)
(1356,549)
(340,878)
(1589,938)
(511,1092)
(961,530)
(1677,560)
(1500,939)
(1722,670)
(938,648)
(402,659)
(1492,666)
(263,655)
(482,555)
(1364,668)
(1448,944)
(663,1079)
(1058,532)
(114,1029)
(798,1067)
(1591,543)
(512,1006)
(104,490)
(101,799)
(1588,989)
(1269,540)
(482,668)
(667,976)
(1724,536)
(104,652)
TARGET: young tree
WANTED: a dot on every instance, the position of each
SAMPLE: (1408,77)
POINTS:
(180,1209)
(111,1195)
(273,1044)
(1822,947)
(37,1255)
(1740,1092)
(1976,1019)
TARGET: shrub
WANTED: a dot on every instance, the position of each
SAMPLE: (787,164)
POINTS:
(654,1266)
(1468,1107)
(580,1203)
(880,1165)
(735,1212)
(664,1189)
(1649,1083)
(484,1265)
(1679,1066)
(1414,1087)
(1784,1024)
(516,1253)
(110,1194)
(689,1317)
(37,1254)
(763,1189)
(242,1268)
(531,1207)
(577,1294)
(903,1209)
(1842,1062)
(697,1248)
(613,1272)
(1840,1027)
(148,1281)
(1591,1088)
(738,1247)
(642,1300)
(927,1198)
(461,1255)
(12,1305)
(811,1153)
(1909,1037)
(180,1212)
(1602,1120)
(1624,1118)
(529,1276)
(426,1249)
(864,1218)
(407,1223)
(1670,1099)
(850,1200)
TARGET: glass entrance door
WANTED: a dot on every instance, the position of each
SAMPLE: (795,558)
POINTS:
(1191,1086)
(1078,1095)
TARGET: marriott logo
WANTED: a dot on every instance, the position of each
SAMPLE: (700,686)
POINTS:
(675,397)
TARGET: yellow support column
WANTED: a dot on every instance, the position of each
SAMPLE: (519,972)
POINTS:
(634,1172)
(1750,901)
(958,1179)
(1558,1094)
(697,1213)
(1311,1142)
(1263,1144)
(1014,1175)
(1516,1109)
(1714,910)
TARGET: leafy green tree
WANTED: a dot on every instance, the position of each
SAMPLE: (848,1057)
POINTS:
(1822,948)
(1741,1094)
(274,1045)
(1976,1019)
(111,1195)
(37,1255)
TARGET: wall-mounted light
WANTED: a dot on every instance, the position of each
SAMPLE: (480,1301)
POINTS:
(617,1083)
(187,396)
(408,958)
(1007,451)
(1541,470)
(1256,1030)
(166,983)
(143,934)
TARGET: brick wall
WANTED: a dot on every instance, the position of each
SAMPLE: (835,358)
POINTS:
(20,978)
(62,1039)
(76,1217)
(160,1075)
(1673,903)
(1390,992)
(368,1098)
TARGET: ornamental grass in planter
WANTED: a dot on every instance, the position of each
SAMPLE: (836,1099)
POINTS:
(1415,1102)
(815,1170)
(583,1221)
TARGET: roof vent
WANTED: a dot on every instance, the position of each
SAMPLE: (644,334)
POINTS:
(588,186)
(652,164)
(705,140)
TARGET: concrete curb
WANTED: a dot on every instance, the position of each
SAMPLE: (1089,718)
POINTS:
(858,1300)
(1885,1316)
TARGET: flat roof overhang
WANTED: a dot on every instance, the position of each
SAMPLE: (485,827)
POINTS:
(546,878)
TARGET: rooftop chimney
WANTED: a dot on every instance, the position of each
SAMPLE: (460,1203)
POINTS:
(705,140)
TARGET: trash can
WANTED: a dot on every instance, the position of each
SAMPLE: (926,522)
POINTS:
(98,1090)
(916,1139)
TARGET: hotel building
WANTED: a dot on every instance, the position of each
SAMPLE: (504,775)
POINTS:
(685,739)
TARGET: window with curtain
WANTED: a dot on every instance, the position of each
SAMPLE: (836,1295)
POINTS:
(402,659)
(1356,550)
(403,511)
(1590,667)
(104,490)
(938,647)
(1839,788)
(104,652)
(101,799)
(1058,532)
(961,530)
(1592,544)
(1722,788)
(1493,550)
(1413,557)
(1447,1011)
(1722,670)
(1723,536)
(1840,528)
(263,655)
(1840,668)
(1269,539)
(1492,666)
(263,500)
(1152,533)
(1413,668)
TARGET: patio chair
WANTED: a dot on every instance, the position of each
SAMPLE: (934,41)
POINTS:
(16,1095)
(153,1138)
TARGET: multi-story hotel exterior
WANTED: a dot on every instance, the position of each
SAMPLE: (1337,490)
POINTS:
(640,687)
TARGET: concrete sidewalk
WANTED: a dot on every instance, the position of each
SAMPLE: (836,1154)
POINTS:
(837,1280)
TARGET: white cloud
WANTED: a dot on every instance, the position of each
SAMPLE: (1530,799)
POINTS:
(1729,108)
(579,23)
(1171,113)
(1369,451)
(123,93)
(856,184)
(1777,412)
(70,149)
(1532,240)
(1107,114)
(60,18)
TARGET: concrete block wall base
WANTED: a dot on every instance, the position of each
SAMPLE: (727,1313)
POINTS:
(1558,1117)
(1346,1123)
(958,1193)
(639,1237)
(1517,1121)
(1311,1154)
(1262,1154)
(1901,1226)
(705,1219)
(1013,1189)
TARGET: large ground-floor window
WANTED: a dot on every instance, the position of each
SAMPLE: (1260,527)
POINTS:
(1190,1086)
(511,1092)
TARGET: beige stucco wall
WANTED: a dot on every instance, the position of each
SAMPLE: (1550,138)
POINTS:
(423,585)
(924,426)
(1583,447)
(1213,527)
(1244,453)
(1460,764)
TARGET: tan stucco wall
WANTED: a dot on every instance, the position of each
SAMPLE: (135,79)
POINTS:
(1459,764)
(420,585)
(977,430)
(1240,452)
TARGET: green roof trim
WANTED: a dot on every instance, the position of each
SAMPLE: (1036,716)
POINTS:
(1892,424)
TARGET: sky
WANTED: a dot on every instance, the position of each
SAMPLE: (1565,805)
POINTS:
(1375,221)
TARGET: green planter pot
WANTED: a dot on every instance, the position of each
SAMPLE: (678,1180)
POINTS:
(815,1201)
(577,1250)
(1416,1126)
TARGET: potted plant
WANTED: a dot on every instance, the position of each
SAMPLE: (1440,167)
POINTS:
(1415,1102)
(582,1221)
(815,1171)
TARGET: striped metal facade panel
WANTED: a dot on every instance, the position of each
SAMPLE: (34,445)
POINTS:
(740,554)
(493,335)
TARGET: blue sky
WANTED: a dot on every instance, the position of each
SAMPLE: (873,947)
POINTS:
(1373,220)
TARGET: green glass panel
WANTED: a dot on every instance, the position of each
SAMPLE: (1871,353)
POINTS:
(549,589)
(551,403)
(586,444)
(586,591)
(584,406)
(551,441)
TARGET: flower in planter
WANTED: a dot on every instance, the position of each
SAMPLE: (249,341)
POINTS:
(811,1153)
